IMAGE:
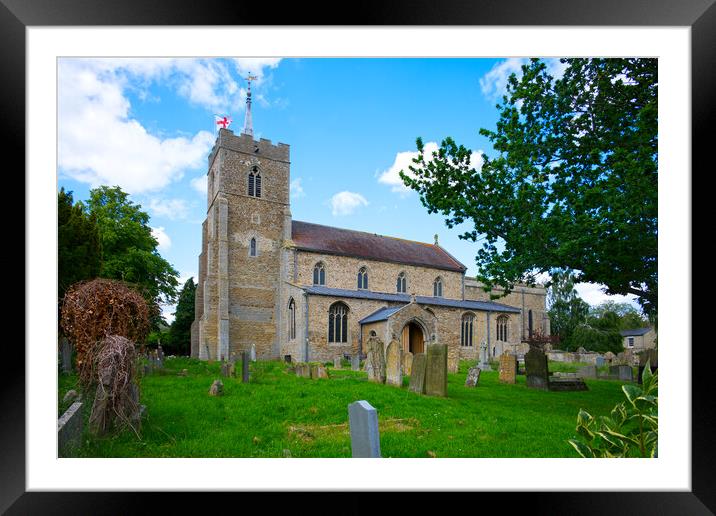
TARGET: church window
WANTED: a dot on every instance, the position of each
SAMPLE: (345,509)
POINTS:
(400,286)
(255,182)
(502,328)
(529,323)
(252,247)
(319,274)
(363,278)
(291,319)
(438,287)
(468,322)
(338,323)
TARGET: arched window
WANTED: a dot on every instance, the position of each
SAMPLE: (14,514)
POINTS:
(502,328)
(438,287)
(401,283)
(319,274)
(468,322)
(255,182)
(291,319)
(338,323)
(252,247)
(363,278)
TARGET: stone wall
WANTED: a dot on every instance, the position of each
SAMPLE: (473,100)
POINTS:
(646,341)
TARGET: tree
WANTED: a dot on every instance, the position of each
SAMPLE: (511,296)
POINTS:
(566,309)
(180,329)
(79,252)
(628,316)
(573,184)
(129,250)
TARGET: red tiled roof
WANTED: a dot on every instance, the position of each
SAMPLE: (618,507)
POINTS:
(346,242)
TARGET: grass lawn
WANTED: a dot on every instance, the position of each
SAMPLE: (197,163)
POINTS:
(278,414)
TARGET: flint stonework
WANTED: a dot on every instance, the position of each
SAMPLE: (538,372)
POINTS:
(436,370)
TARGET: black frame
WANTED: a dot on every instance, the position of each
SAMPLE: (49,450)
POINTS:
(700,15)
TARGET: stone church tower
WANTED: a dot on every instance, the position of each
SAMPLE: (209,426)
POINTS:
(248,220)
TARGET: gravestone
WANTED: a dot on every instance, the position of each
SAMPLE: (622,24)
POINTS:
(66,354)
(355,362)
(160,352)
(225,369)
(375,361)
(394,364)
(318,371)
(536,369)
(484,364)
(245,366)
(337,363)
(626,373)
(303,370)
(365,436)
(600,361)
(407,363)
(69,430)
(417,376)
(508,368)
(436,370)
(253,352)
(589,371)
(216,389)
(473,377)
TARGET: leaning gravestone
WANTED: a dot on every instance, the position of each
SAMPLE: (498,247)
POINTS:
(417,376)
(355,362)
(69,430)
(589,371)
(536,369)
(375,361)
(394,364)
(473,377)
(508,368)
(66,354)
(365,436)
(436,370)
(407,363)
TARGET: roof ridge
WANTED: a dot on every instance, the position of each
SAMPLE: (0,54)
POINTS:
(367,233)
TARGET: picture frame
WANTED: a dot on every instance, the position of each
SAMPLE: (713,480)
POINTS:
(16,16)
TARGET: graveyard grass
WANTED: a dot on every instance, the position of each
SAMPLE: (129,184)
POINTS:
(280,415)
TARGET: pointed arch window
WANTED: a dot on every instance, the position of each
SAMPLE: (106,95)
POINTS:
(502,325)
(400,286)
(338,323)
(255,182)
(438,287)
(319,274)
(252,247)
(468,324)
(363,278)
(291,319)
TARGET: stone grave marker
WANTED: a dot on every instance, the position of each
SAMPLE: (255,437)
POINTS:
(599,361)
(394,364)
(69,430)
(589,371)
(436,370)
(160,352)
(355,362)
(473,377)
(417,376)
(375,361)
(66,354)
(245,367)
(407,363)
(609,357)
(337,362)
(626,373)
(484,364)
(318,371)
(216,389)
(508,368)
(253,352)
(365,436)
(303,370)
(536,369)
(225,369)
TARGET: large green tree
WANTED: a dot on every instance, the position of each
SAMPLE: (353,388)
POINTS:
(79,252)
(180,329)
(566,309)
(573,183)
(130,250)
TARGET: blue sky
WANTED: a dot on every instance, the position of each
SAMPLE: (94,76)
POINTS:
(148,125)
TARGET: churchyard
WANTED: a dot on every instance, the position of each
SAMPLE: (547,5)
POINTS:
(279,413)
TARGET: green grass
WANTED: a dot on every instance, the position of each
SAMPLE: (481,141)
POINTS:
(278,411)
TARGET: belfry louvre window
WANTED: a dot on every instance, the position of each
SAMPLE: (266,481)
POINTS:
(363,278)
(291,320)
(502,328)
(338,323)
(319,274)
(255,182)
(252,247)
(400,286)
(438,288)
(468,322)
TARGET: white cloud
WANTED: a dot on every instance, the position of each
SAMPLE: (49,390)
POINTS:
(101,144)
(164,241)
(494,82)
(345,203)
(403,160)
(593,293)
(200,184)
(296,189)
(256,66)
(172,209)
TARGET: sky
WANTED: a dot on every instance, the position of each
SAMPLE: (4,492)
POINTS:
(148,125)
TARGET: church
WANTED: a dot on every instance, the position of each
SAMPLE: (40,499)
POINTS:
(300,291)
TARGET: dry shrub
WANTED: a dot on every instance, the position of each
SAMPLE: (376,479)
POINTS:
(114,371)
(95,309)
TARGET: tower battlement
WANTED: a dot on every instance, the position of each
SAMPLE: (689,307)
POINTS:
(246,143)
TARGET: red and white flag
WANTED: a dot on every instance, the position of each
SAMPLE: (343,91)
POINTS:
(222,121)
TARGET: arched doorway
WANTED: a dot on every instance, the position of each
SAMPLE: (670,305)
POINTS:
(413,338)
